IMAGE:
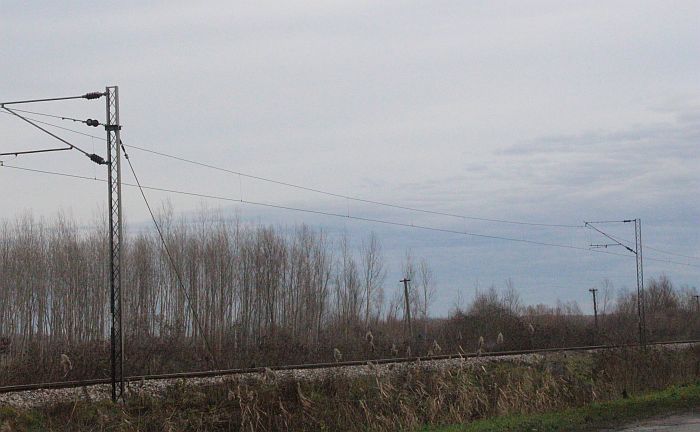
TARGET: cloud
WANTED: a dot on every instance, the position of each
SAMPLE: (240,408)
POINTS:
(541,111)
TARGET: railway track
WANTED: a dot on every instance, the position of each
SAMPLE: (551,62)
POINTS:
(238,371)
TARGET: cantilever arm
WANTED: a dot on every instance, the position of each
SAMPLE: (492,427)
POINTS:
(35,151)
(92,95)
(95,158)
(617,242)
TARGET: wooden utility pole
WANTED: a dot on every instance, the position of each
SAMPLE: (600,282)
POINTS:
(407,315)
(595,314)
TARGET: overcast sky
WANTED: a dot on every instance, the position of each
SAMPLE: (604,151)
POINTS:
(554,112)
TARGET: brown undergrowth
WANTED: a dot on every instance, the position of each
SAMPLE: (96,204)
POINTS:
(386,400)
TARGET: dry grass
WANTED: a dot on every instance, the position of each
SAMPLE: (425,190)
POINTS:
(400,400)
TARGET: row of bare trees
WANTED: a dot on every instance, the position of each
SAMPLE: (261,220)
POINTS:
(241,295)
(234,287)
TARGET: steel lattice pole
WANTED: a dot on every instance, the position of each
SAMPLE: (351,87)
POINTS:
(640,281)
(115,241)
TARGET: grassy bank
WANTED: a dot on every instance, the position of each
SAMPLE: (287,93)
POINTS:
(591,417)
(386,398)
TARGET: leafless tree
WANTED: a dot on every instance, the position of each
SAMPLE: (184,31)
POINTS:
(608,291)
(426,285)
(256,293)
(374,274)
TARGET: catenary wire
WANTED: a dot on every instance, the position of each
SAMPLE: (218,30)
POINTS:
(349,197)
(195,315)
(359,218)
(670,253)
(72,146)
(61,127)
(340,195)
(324,213)
(333,194)
(628,243)
(49,115)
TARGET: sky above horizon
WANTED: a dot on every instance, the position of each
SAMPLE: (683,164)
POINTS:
(536,111)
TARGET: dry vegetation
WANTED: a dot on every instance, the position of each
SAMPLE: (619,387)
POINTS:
(264,296)
(407,399)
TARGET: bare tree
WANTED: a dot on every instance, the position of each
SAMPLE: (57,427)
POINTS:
(510,298)
(349,294)
(374,275)
(426,285)
(608,291)
(256,293)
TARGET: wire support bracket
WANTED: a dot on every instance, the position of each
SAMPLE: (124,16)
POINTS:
(90,95)
(93,157)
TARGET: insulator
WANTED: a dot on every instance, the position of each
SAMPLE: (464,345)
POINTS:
(93,95)
(91,122)
(97,159)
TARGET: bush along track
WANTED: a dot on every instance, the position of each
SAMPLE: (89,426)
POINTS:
(384,398)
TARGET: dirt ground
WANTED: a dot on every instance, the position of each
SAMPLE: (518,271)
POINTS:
(689,422)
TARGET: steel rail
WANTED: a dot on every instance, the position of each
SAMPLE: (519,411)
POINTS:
(306,366)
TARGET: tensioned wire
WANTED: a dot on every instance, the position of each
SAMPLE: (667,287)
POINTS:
(346,216)
(347,197)
(315,190)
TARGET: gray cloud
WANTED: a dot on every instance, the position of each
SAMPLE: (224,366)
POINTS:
(539,110)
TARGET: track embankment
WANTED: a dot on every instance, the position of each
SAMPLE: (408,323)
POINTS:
(33,395)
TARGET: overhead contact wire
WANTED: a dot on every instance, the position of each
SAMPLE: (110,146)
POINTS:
(195,315)
(324,192)
(359,218)
(282,183)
